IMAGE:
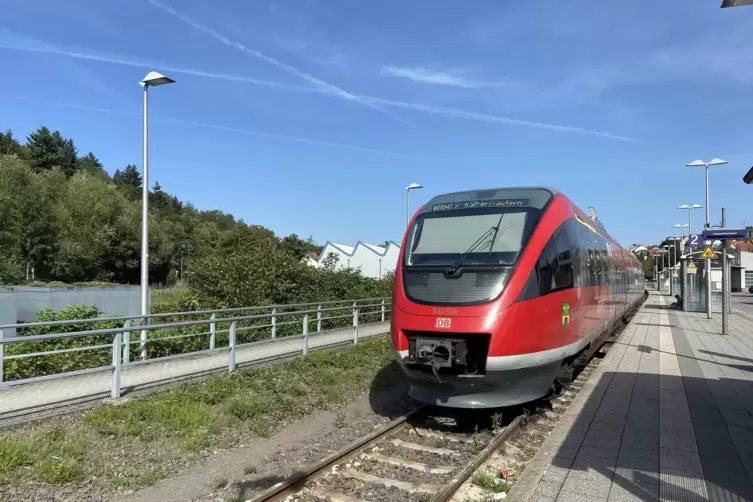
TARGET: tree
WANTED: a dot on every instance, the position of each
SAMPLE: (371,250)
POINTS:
(648,267)
(8,144)
(66,219)
(89,163)
(297,247)
(129,181)
(49,150)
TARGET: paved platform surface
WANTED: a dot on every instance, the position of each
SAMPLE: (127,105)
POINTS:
(26,399)
(667,415)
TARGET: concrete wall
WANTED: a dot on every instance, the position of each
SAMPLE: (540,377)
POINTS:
(8,309)
(111,301)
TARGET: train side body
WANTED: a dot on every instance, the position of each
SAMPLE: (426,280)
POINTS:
(548,289)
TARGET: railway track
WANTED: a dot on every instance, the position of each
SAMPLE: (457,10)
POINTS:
(434,455)
(429,454)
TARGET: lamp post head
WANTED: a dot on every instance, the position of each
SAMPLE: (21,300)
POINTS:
(154,78)
(748,178)
(712,162)
(735,3)
(413,186)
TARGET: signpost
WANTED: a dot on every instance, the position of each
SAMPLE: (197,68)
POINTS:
(723,235)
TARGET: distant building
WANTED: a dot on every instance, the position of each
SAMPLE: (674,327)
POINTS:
(311,259)
(638,250)
(373,260)
(742,265)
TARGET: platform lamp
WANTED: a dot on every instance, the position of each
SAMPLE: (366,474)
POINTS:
(700,163)
(748,178)
(152,79)
(690,214)
(412,186)
(681,227)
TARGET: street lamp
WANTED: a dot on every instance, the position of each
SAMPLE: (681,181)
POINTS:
(690,216)
(735,3)
(681,227)
(712,162)
(698,163)
(412,186)
(152,79)
(748,178)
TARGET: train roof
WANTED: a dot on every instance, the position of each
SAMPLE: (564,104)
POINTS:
(535,197)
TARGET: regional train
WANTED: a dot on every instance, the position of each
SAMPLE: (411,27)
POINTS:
(501,293)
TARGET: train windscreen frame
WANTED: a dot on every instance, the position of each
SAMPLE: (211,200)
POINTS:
(440,237)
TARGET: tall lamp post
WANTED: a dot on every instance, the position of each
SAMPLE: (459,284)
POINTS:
(699,163)
(690,215)
(152,79)
(412,186)
(681,227)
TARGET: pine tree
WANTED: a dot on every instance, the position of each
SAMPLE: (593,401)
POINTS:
(48,150)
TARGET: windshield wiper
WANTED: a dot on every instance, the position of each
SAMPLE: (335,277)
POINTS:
(454,267)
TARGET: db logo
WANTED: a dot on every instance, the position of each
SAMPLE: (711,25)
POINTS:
(444,322)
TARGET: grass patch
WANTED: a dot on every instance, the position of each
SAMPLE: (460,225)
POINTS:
(51,455)
(135,443)
(490,482)
(168,296)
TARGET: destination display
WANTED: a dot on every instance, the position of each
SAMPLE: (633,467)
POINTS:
(725,234)
(477,204)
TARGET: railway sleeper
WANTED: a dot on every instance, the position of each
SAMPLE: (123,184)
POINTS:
(410,464)
(403,485)
(420,447)
(421,432)
(332,496)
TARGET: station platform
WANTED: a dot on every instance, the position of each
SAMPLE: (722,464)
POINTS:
(667,415)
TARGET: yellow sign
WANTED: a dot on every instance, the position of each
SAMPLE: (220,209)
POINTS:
(708,253)
(691,268)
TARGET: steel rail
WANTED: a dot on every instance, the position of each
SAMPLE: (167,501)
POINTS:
(457,481)
(295,483)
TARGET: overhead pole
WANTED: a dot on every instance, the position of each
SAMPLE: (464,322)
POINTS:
(725,275)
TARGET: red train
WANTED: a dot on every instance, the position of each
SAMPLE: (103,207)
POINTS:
(500,293)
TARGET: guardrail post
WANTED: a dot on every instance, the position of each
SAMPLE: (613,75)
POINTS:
(127,343)
(274,322)
(382,310)
(305,334)
(212,332)
(355,325)
(142,345)
(117,345)
(2,346)
(231,344)
(318,318)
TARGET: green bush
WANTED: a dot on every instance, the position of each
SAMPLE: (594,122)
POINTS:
(16,369)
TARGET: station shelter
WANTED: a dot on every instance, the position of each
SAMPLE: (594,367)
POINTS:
(693,281)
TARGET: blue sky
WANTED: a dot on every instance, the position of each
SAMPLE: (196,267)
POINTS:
(311,116)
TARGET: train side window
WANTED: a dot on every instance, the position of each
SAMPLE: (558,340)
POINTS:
(554,270)
(555,264)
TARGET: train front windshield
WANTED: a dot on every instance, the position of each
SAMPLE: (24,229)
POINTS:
(477,237)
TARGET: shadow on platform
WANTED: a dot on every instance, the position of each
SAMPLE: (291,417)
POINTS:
(627,443)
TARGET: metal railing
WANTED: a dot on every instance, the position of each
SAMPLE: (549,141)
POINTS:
(226,328)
